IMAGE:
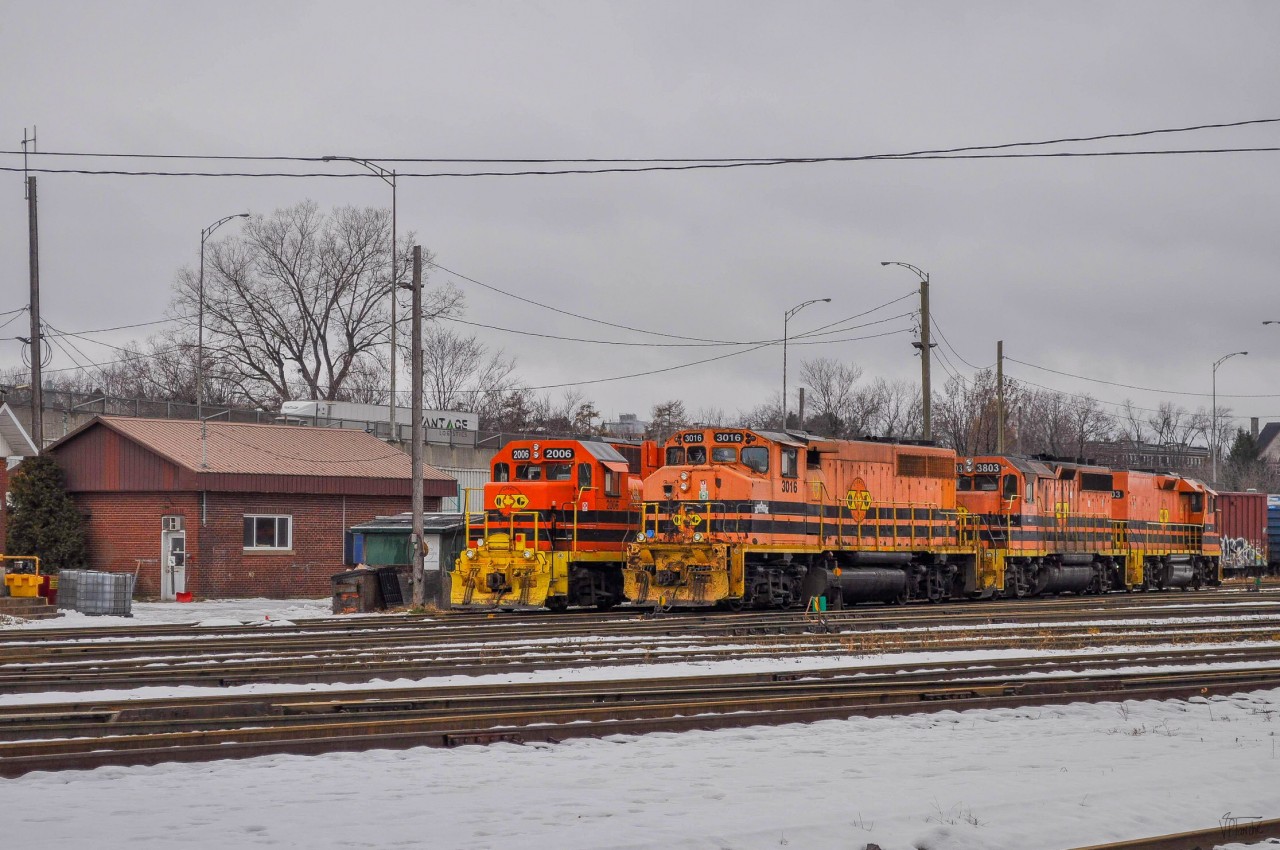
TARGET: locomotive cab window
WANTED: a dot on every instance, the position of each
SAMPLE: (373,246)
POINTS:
(964,484)
(1010,487)
(1197,502)
(697,455)
(528,472)
(501,472)
(789,468)
(584,476)
(675,456)
(612,483)
(559,472)
(1031,491)
(724,454)
(756,458)
(986,483)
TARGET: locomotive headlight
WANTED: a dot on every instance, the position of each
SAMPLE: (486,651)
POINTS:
(528,554)
(640,537)
(471,554)
(684,486)
(697,537)
(684,476)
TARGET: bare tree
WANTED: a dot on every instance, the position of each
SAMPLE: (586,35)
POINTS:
(900,409)
(460,373)
(665,418)
(297,304)
(832,391)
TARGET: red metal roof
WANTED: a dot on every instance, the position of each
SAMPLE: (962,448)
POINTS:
(246,457)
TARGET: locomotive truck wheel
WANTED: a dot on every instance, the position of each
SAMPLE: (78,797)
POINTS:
(734,605)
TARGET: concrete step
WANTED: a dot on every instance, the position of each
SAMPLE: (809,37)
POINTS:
(28,608)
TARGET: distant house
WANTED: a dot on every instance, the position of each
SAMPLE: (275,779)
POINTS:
(245,510)
(14,444)
(1268,443)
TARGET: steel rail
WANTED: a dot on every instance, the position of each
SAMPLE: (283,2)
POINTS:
(590,719)
(548,620)
(1230,830)
(87,643)
(121,717)
(418,662)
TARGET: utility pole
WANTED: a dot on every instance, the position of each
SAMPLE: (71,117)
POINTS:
(1000,397)
(415,451)
(925,348)
(37,349)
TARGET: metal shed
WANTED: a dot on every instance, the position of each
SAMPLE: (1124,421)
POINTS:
(384,541)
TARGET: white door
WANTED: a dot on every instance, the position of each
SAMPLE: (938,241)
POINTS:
(173,564)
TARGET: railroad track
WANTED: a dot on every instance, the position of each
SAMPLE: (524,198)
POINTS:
(1230,830)
(430,648)
(979,610)
(208,663)
(58,738)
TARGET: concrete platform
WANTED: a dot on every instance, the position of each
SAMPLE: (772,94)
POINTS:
(28,608)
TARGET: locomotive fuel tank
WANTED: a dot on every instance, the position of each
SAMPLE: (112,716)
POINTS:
(858,584)
(1064,578)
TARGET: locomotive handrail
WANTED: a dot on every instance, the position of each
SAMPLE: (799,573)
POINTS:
(573,546)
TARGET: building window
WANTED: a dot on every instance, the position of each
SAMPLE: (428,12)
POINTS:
(268,532)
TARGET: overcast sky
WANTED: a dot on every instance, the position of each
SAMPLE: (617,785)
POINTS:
(1137,270)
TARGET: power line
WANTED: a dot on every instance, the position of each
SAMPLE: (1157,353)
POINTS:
(668,160)
(648,168)
(1134,387)
(571,314)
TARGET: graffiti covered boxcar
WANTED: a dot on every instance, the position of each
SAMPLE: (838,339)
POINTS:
(1242,522)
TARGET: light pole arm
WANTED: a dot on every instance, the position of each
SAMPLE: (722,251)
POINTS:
(786,317)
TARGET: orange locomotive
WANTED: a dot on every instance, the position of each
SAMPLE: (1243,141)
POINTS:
(772,519)
(557,514)
(1049,526)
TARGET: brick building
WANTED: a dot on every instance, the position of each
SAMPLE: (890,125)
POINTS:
(247,510)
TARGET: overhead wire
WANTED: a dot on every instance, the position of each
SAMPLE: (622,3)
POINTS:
(647,168)
(1136,387)
(663,160)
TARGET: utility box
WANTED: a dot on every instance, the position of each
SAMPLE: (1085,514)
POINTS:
(356,592)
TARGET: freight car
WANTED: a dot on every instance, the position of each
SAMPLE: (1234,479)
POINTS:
(556,516)
(772,519)
(1242,521)
(1273,534)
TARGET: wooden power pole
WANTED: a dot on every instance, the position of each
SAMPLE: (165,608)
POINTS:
(415,452)
(37,350)
(1000,397)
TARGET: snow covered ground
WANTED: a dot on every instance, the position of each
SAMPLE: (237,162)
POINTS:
(1020,779)
(213,610)
(1050,777)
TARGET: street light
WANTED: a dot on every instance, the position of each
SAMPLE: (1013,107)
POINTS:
(204,237)
(1213,437)
(786,318)
(924,345)
(388,177)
